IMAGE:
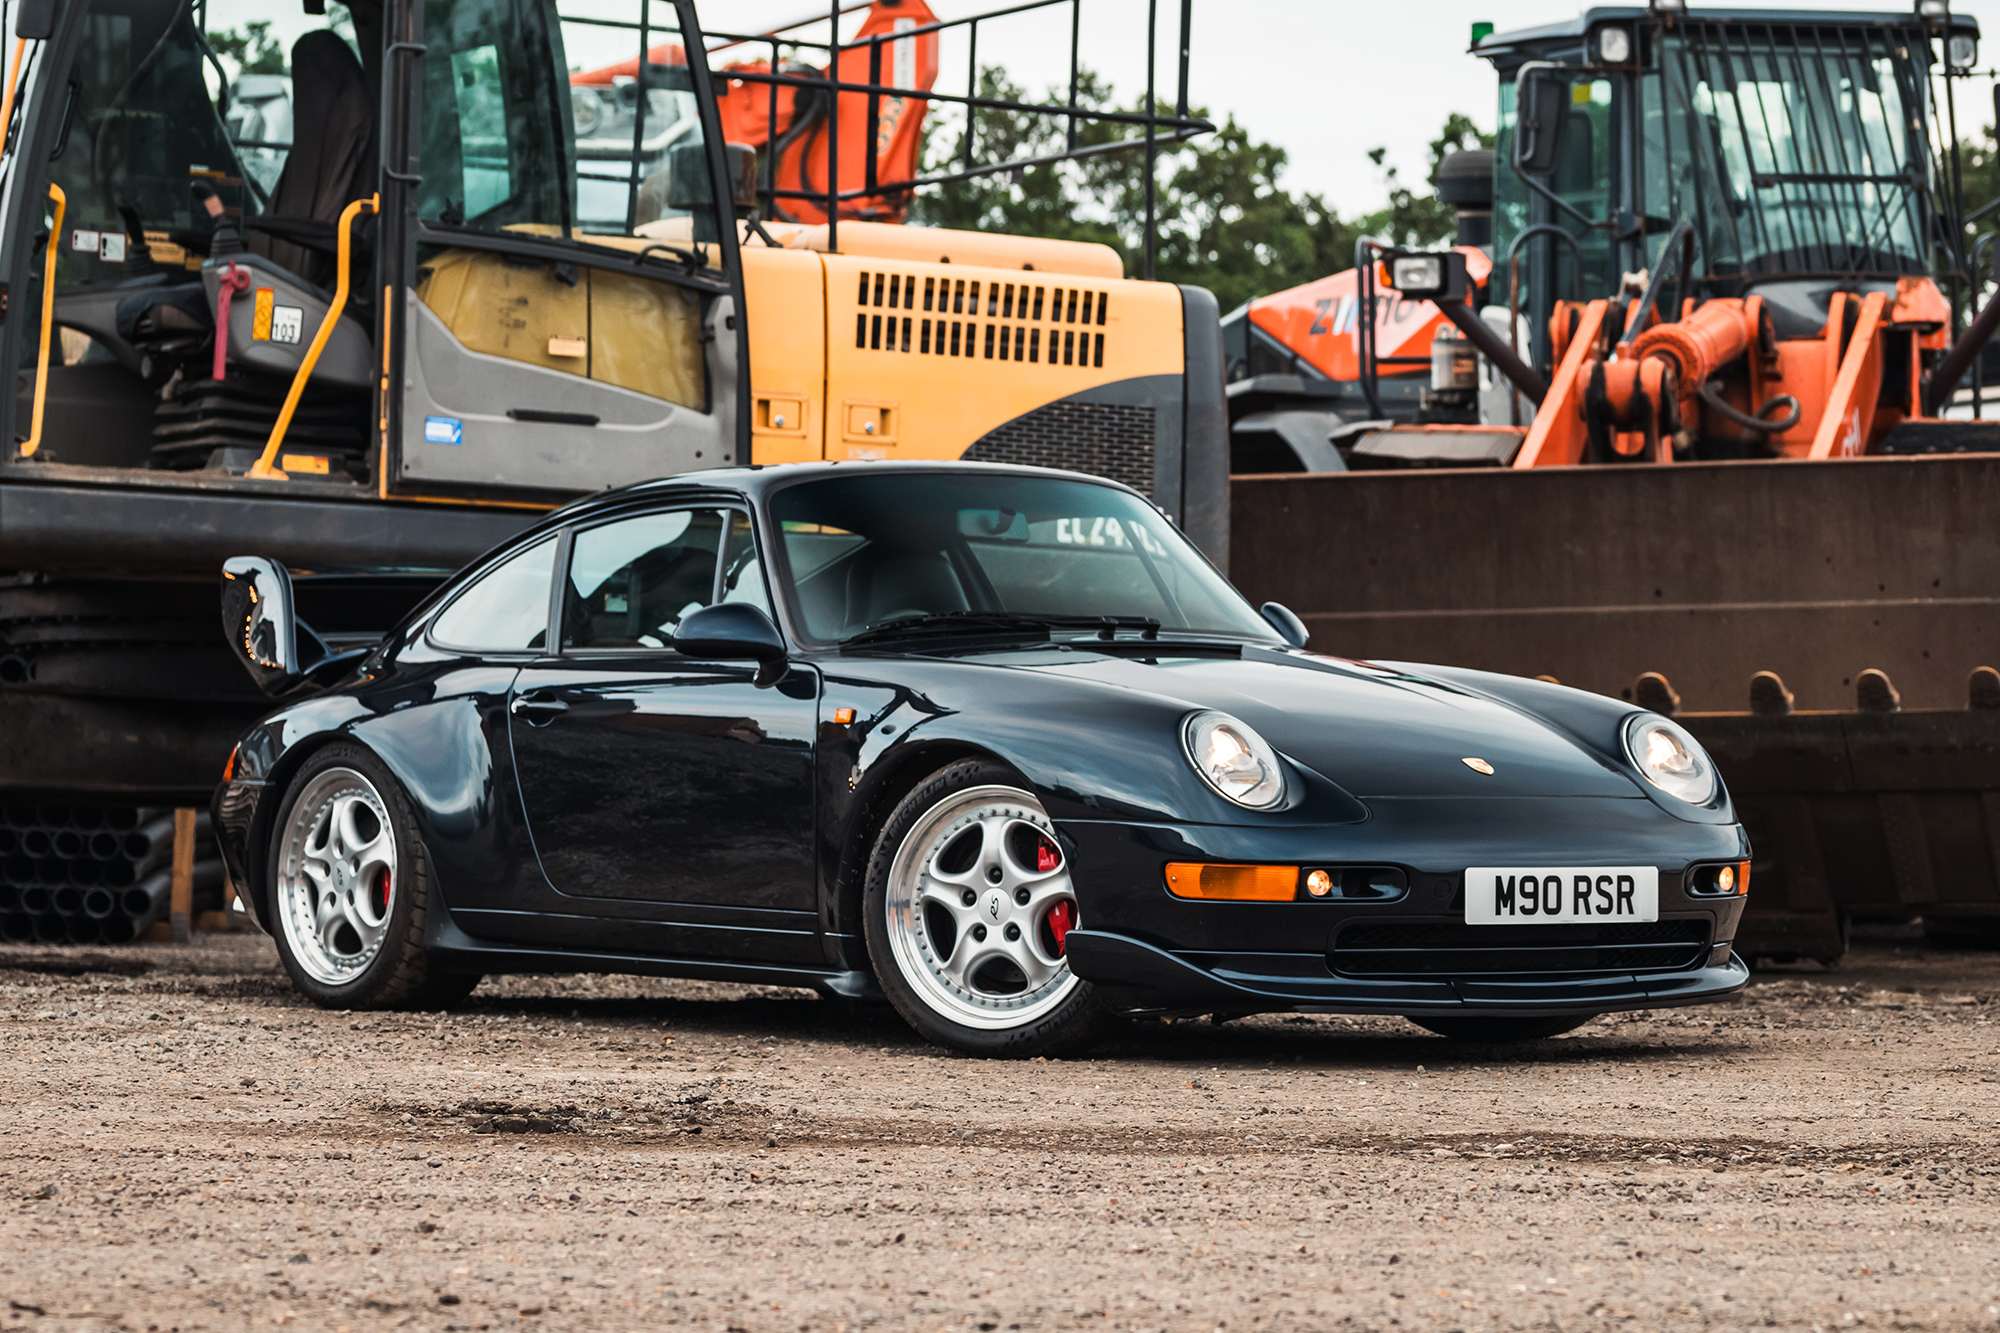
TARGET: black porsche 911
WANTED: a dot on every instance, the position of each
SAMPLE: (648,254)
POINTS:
(997,744)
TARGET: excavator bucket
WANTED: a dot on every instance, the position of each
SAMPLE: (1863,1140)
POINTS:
(1828,658)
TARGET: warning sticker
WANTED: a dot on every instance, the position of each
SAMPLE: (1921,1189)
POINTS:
(286,321)
(260,321)
(85,240)
(444,430)
(111,247)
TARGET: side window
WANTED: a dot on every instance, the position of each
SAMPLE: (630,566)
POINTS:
(505,610)
(631,582)
(536,123)
(742,571)
(486,177)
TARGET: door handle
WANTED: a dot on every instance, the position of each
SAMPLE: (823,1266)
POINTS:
(530,703)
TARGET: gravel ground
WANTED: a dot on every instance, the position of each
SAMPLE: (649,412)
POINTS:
(190,1146)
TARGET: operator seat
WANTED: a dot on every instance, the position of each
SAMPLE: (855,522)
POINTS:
(331,162)
(288,269)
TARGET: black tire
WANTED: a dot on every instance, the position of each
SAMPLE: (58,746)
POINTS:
(398,974)
(1498,1030)
(1074,1023)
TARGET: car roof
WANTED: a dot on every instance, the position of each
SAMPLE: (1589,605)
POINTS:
(753,483)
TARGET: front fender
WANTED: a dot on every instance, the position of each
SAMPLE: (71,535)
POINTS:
(1593,720)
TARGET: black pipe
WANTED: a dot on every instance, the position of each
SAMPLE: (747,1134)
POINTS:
(1959,359)
(1502,356)
(1683,257)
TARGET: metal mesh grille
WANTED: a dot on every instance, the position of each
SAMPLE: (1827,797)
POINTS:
(1418,948)
(1114,440)
(980,319)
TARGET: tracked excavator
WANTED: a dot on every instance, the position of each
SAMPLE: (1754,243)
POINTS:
(1674,421)
(459,262)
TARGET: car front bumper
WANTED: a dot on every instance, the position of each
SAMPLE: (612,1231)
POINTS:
(1143,978)
(1152,952)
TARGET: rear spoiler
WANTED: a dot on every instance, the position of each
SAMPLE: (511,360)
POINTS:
(282,654)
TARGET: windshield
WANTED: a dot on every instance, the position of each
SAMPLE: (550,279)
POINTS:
(1792,147)
(868,549)
(562,118)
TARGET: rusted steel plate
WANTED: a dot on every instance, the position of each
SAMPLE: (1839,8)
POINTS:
(1706,572)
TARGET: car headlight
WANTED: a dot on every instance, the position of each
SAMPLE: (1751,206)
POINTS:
(1670,759)
(1234,760)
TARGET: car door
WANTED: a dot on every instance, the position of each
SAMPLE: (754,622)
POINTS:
(649,777)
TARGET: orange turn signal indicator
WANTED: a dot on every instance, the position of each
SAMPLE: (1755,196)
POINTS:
(843,716)
(1231,883)
(229,769)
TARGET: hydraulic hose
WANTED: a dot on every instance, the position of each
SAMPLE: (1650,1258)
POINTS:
(1761,421)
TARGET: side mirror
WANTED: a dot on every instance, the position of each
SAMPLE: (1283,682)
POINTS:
(258,621)
(687,176)
(36,20)
(1541,110)
(733,632)
(1290,628)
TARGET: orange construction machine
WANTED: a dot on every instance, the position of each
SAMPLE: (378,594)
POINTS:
(461,261)
(1675,420)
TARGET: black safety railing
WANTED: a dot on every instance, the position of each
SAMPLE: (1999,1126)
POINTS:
(1806,147)
(794,62)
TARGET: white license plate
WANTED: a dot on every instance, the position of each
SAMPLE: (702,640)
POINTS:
(1539,895)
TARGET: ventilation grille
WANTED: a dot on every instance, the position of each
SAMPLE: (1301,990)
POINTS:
(1032,323)
(1412,948)
(1114,440)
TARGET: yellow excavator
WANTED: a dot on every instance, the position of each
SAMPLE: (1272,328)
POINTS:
(457,262)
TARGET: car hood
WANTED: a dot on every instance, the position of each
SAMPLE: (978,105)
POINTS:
(1374,731)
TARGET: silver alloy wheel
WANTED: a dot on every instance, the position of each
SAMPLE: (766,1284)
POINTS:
(336,876)
(969,921)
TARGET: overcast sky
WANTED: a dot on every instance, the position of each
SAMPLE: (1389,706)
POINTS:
(1327,80)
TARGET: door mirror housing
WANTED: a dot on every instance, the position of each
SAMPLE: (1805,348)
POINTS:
(1284,620)
(1541,110)
(259,621)
(36,20)
(733,632)
(688,186)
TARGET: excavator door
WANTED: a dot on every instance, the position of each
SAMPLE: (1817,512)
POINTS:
(569,311)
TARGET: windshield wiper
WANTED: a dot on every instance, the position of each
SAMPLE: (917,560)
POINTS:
(961,622)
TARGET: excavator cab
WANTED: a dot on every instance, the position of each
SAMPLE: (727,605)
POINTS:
(1769,184)
(231,280)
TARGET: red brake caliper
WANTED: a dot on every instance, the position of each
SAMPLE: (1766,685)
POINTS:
(382,890)
(1062,920)
(1062,917)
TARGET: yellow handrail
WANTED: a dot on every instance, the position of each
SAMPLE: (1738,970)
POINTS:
(263,466)
(7,106)
(34,440)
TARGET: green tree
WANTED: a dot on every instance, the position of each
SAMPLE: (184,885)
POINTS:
(1414,219)
(251,49)
(1225,220)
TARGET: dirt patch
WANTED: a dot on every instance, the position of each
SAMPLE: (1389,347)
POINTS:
(190,1146)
